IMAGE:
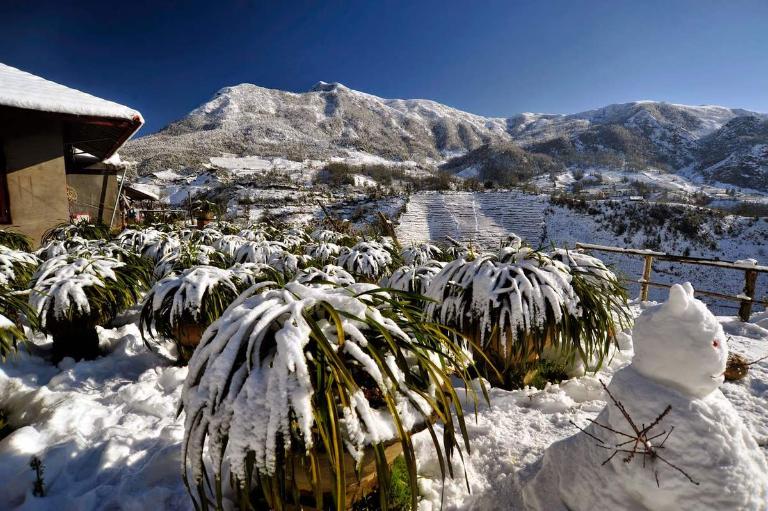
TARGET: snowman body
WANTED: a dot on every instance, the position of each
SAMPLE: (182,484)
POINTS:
(680,355)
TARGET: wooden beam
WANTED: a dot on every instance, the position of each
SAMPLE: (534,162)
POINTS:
(663,256)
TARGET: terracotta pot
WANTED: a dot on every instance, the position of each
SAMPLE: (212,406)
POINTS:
(357,488)
(204,219)
(188,334)
(507,361)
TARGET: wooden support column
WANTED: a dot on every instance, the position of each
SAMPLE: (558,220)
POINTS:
(647,268)
(750,283)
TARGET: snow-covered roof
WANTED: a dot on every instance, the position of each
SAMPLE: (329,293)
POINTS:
(20,89)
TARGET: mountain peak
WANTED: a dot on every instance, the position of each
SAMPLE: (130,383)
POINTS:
(322,86)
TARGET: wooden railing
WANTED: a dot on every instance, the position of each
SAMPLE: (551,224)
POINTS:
(746,299)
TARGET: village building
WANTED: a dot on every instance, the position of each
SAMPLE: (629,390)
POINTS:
(58,157)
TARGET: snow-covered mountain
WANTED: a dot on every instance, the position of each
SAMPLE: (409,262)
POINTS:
(331,120)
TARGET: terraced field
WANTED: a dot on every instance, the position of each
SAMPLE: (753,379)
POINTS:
(482,218)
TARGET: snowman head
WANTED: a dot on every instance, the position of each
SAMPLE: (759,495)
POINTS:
(681,344)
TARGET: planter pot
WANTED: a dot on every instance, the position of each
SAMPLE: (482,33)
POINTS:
(507,361)
(357,488)
(187,335)
(204,219)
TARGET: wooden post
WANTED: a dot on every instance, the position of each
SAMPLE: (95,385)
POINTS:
(647,268)
(750,281)
(389,228)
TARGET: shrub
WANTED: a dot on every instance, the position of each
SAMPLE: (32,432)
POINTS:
(180,307)
(308,379)
(82,229)
(72,295)
(369,260)
(15,240)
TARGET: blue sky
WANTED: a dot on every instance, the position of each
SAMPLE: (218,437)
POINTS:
(491,58)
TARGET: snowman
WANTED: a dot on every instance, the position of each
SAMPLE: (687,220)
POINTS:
(711,459)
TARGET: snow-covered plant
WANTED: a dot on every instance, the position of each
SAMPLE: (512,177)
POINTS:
(224,227)
(458,251)
(416,255)
(16,267)
(294,239)
(328,236)
(13,308)
(247,274)
(414,279)
(328,274)
(323,252)
(288,264)
(602,300)
(15,240)
(54,248)
(82,229)
(72,295)
(512,310)
(308,379)
(258,251)
(188,255)
(160,246)
(137,239)
(206,236)
(228,244)
(252,235)
(180,307)
(368,260)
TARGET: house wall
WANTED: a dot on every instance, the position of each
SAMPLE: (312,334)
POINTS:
(33,148)
(96,192)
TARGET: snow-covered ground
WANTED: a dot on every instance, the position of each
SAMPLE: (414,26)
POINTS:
(107,432)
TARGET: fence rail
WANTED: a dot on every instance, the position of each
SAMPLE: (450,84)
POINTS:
(746,299)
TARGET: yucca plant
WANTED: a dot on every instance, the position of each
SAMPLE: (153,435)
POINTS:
(310,392)
(289,264)
(15,240)
(413,279)
(512,309)
(16,267)
(328,274)
(258,251)
(187,255)
(160,246)
(137,239)
(328,236)
(367,260)
(206,236)
(324,252)
(180,307)
(416,255)
(82,229)
(14,310)
(228,244)
(72,295)
(603,306)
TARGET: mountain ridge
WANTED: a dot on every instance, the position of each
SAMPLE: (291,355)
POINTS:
(331,119)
